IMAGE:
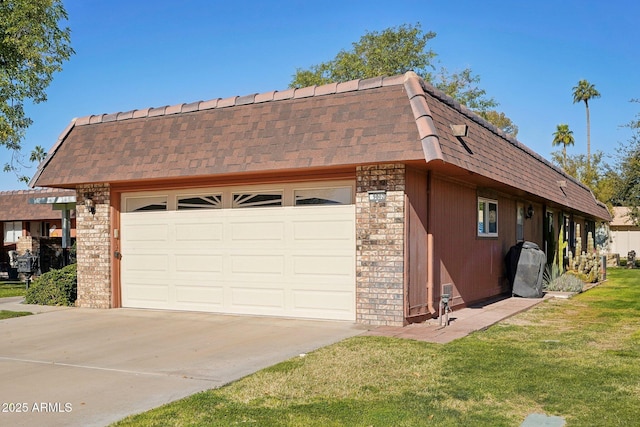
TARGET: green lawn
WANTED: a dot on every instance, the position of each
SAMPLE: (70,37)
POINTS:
(5,314)
(12,289)
(577,358)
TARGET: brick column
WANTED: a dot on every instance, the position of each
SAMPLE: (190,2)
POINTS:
(380,245)
(93,237)
(27,243)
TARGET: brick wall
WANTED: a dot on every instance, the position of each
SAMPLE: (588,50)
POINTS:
(380,246)
(93,247)
(28,243)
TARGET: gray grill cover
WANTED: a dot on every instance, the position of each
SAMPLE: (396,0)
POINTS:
(527,282)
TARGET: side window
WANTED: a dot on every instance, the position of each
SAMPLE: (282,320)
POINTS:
(487,217)
(257,200)
(140,204)
(323,196)
(12,231)
(520,222)
(213,201)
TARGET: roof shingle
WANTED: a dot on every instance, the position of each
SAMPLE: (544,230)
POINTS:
(15,206)
(384,119)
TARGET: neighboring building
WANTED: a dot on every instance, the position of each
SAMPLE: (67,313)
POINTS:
(625,237)
(34,227)
(353,201)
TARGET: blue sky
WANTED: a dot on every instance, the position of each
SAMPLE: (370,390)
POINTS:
(528,54)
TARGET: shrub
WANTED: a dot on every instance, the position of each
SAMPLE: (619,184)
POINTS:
(583,277)
(566,283)
(551,273)
(623,262)
(56,287)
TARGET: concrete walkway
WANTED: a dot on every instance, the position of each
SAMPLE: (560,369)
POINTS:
(461,322)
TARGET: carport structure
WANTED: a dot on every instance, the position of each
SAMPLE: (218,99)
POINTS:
(354,201)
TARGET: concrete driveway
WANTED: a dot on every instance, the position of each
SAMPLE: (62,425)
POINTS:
(84,367)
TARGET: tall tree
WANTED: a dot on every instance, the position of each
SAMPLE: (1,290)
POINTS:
(389,52)
(33,47)
(586,91)
(591,175)
(397,50)
(563,136)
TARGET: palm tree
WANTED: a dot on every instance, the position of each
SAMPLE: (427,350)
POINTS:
(563,136)
(38,154)
(584,92)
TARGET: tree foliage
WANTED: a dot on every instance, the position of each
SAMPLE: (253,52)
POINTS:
(501,121)
(563,136)
(576,165)
(397,50)
(33,47)
(386,53)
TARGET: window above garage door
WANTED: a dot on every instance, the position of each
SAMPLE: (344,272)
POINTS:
(255,196)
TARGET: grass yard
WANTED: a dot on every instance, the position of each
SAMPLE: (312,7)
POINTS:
(5,314)
(12,289)
(577,358)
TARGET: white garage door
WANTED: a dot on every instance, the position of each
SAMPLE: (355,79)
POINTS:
(287,251)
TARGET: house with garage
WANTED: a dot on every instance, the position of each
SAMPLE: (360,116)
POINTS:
(352,201)
(36,227)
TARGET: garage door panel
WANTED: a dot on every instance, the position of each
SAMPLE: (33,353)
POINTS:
(257,298)
(200,232)
(207,297)
(251,233)
(321,230)
(143,293)
(257,264)
(146,233)
(198,263)
(323,266)
(154,264)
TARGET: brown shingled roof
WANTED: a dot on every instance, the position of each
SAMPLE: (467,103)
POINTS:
(379,120)
(15,206)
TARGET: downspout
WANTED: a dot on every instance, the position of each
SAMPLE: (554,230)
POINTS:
(432,151)
(430,257)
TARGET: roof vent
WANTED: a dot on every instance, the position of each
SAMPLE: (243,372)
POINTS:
(460,130)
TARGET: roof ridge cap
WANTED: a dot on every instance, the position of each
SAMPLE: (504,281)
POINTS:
(238,100)
(448,100)
(427,131)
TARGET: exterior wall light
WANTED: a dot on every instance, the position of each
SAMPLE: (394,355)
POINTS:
(530,212)
(89,204)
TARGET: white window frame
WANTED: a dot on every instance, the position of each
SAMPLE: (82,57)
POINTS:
(12,231)
(483,219)
(520,215)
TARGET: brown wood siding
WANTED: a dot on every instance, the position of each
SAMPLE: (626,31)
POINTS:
(416,295)
(534,226)
(474,265)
